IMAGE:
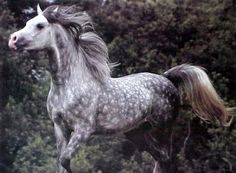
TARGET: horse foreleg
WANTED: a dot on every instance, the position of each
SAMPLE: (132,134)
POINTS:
(78,137)
(62,140)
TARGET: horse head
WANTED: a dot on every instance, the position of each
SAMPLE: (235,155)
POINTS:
(35,35)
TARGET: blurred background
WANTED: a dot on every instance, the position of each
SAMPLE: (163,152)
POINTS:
(142,35)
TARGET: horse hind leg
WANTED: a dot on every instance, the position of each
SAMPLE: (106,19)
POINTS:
(161,167)
(157,168)
(161,155)
(156,142)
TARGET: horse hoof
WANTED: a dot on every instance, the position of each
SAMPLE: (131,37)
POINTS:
(65,162)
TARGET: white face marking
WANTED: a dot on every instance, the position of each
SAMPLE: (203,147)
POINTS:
(36,20)
(37,26)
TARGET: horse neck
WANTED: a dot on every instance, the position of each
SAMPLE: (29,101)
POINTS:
(66,64)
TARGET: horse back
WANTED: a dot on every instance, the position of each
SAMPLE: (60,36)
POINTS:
(128,101)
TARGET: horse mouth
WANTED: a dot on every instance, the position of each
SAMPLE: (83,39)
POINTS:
(22,46)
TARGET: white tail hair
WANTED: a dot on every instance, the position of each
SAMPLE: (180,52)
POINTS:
(196,88)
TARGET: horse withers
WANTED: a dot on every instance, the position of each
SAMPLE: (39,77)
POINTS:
(85,100)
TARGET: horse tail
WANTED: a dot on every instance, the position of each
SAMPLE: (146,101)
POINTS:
(195,87)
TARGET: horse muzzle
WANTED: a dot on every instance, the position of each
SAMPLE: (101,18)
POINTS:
(17,43)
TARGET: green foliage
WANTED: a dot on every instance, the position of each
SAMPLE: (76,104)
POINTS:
(105,156)
(138,163)
(36,156)
(99,156)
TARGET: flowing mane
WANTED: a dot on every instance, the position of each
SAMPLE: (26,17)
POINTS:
(80,27)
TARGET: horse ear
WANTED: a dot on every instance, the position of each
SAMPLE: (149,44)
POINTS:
(56,9)
(39,11)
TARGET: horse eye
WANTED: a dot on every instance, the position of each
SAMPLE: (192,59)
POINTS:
(40,26)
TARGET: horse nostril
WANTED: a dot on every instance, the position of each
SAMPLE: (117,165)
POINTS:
(14,38)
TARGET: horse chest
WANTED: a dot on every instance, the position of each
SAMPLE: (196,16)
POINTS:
(70,109)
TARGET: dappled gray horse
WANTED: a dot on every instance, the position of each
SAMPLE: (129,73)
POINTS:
(84,100)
